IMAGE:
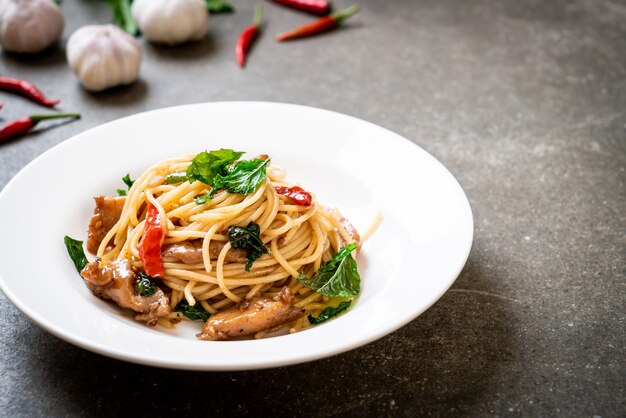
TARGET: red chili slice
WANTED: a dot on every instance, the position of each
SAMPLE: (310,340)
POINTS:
(297,194)
(150,244)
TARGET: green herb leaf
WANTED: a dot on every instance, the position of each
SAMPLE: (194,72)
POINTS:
(336,278)
(328,313)
(248,238)
(243,177)
(201,200)
(122,16)
(76,252)
(145,285)
(127,181)
(219,6)
(194,313)
(175,178)
(206,165)
(221,170)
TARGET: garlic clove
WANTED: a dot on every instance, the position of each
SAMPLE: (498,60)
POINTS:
(29,26)
(103,56)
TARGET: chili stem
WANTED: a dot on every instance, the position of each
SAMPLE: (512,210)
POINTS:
(344,14)
(37,118)
(258,15)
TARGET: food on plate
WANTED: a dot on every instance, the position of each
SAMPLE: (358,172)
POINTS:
(223,240)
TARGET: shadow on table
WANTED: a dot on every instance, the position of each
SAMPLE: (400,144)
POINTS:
(118,96)
(444,361)
(187,51)
(54,54)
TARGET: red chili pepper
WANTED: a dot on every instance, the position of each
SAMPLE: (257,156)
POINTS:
(21,126)
(248,35)
(297,194)
(321,25)
(150,244)
(319,7)
(27,89)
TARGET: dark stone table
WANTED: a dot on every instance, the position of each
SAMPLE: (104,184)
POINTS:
(524,102)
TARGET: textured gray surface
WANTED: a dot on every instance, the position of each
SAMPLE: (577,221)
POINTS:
(524,102)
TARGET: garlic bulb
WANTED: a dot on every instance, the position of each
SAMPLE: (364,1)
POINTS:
(29,26)
(171,21)
(103,56)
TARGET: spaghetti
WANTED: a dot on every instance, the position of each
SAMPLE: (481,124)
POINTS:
(201,267)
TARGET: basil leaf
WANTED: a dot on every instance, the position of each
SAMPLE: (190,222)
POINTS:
(336,278)
(248,238)
(201,200)
(194,313)
(221,170)
(219,6)
(76,252)
(126,179)
(145,285)
(243,177)
(328,313)
(175,178)
(206,165)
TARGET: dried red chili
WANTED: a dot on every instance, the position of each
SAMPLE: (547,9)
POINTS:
(297,194)
(318,26)
(150,244)
(248,36)
(21,126)
(28,89)
(319,7)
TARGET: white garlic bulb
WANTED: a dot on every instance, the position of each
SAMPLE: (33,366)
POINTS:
(171,21)
(29,26)
(103,56)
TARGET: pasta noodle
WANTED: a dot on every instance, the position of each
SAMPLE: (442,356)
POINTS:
(300,239)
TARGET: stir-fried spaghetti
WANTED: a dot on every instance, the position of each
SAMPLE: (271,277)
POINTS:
(200,267)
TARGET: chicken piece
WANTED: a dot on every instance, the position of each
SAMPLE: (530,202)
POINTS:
(106,214)
(115,280)
(252,316)
(190,252)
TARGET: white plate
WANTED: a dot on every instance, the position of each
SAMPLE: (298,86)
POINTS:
(414,257)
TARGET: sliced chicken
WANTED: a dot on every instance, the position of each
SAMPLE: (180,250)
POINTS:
(190,252)
(115,280)
(106,214)
(251,317)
